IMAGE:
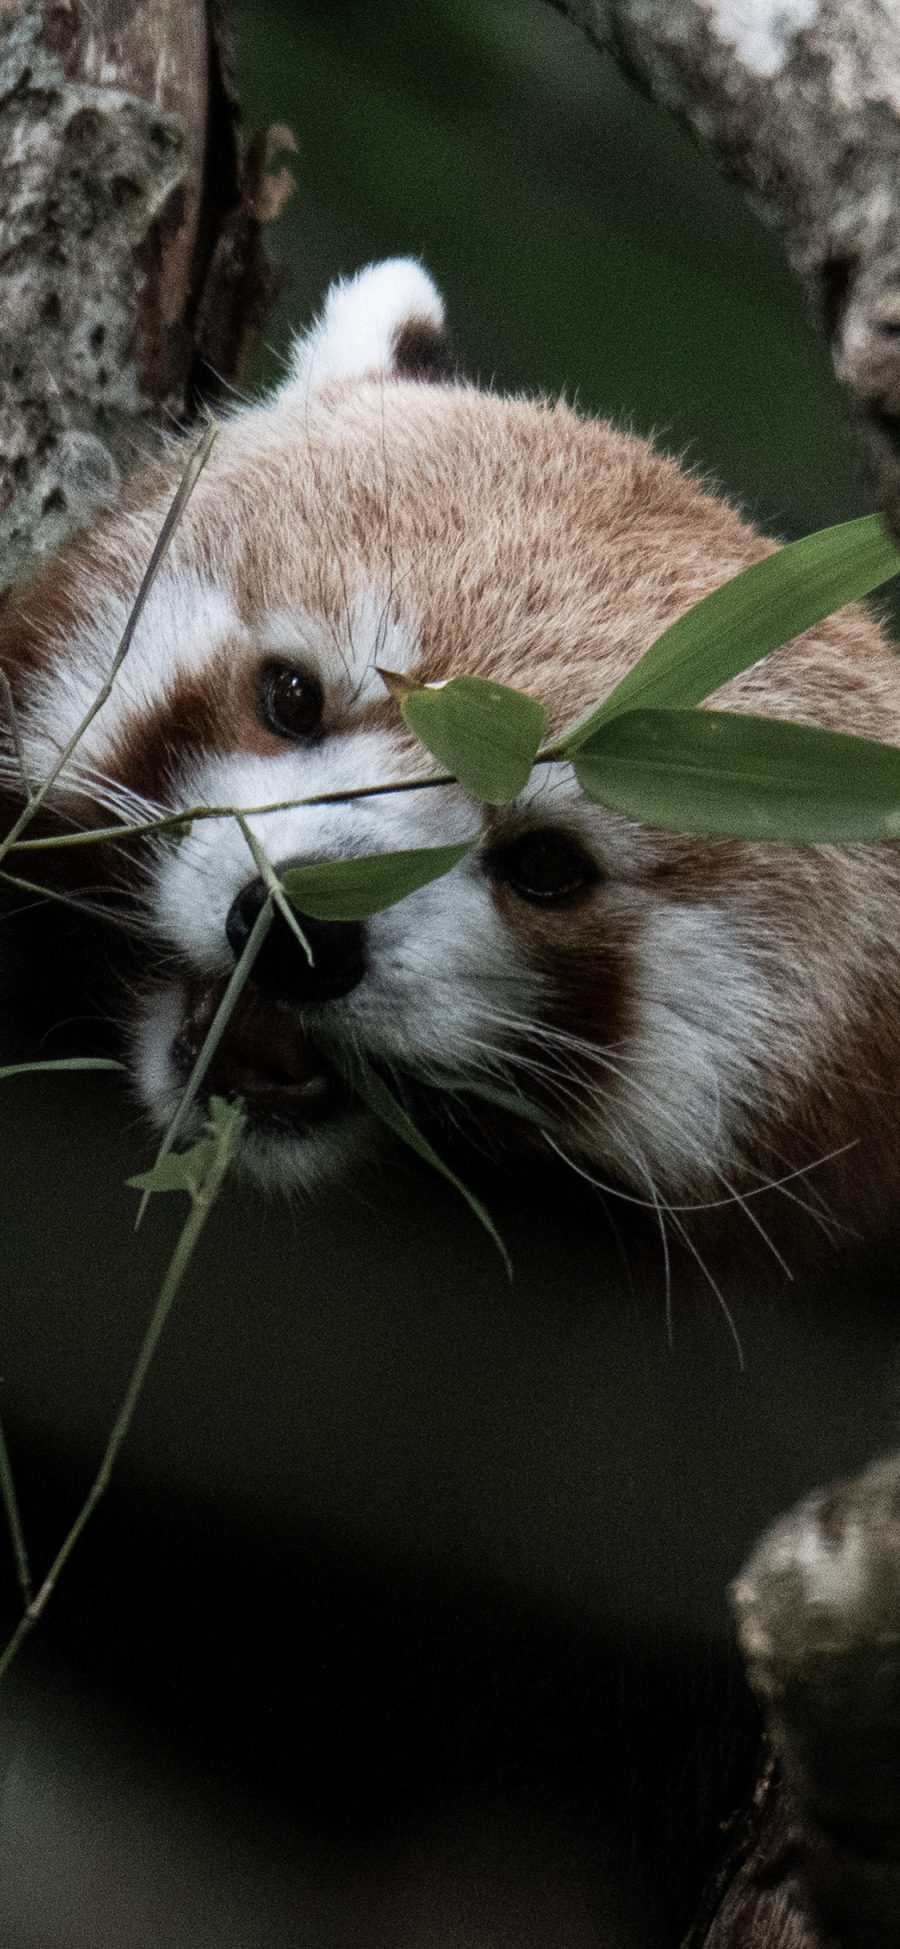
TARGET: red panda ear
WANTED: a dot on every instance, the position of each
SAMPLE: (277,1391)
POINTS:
(387,321)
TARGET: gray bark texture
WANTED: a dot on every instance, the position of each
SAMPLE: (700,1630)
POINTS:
(818,1609)
(814,1861)
(132,274)
(754,1900)
(799,101)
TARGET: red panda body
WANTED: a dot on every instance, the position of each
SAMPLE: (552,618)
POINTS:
(697,1016)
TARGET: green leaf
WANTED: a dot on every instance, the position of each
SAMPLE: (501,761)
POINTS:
(61,1063)
(720,772)
(226,1119)
(485,733)
(188,1170)
(764,606)
(379,1099)
(178,1170)
(237,981)
(348,889)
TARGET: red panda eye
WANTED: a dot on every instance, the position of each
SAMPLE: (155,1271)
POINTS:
(291,701)
(547,868)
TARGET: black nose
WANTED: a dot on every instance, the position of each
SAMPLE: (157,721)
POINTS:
(281,968)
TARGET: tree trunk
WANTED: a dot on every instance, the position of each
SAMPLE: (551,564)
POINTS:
(752,1901)
(131,268)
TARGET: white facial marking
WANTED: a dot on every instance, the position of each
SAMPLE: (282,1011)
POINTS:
(835,1576)
(184,619)
(686,1081)
(198,883)
(677,1098)
(761,31)
(441,964)
(356,331)
(345,654)
(446,976)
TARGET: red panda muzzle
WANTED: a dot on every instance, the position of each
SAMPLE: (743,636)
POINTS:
(264,1057)
(336,961)
(702,1018)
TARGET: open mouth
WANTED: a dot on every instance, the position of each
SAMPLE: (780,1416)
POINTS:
(264,1056)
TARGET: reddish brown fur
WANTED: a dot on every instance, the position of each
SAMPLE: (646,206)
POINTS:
(547,552)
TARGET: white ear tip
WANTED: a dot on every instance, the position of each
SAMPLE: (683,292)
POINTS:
(398,289)
(362,321)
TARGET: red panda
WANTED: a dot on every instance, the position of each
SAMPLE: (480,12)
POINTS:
(698,1017)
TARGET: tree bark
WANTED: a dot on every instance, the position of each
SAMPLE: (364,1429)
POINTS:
(818,1609)
(753,1900)
(131,266)
(799,100)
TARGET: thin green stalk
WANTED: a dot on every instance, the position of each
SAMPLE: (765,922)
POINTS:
(202,1201)
(58,1063)
(15,733)
(239,976)
(14,1521)
(212,1039)
(186,487)
(171,820)
(268,874)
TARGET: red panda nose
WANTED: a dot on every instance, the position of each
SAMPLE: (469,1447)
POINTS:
(281,968)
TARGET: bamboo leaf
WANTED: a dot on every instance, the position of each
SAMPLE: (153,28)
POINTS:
(225,1122)
(189,1170)
(237,982)
(348,889)
(178,1170)
(764,606)
(384,1105)
(721,772)
(486,734)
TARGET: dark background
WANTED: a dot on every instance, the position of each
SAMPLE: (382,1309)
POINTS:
(405,1620)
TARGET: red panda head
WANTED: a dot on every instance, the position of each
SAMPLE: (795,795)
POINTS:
(693,1014)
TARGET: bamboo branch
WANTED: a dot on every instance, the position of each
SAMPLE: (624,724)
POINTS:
(203,1196)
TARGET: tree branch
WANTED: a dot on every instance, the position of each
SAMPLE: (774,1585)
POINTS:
(752,1900)
(818,1609)
(799,100)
